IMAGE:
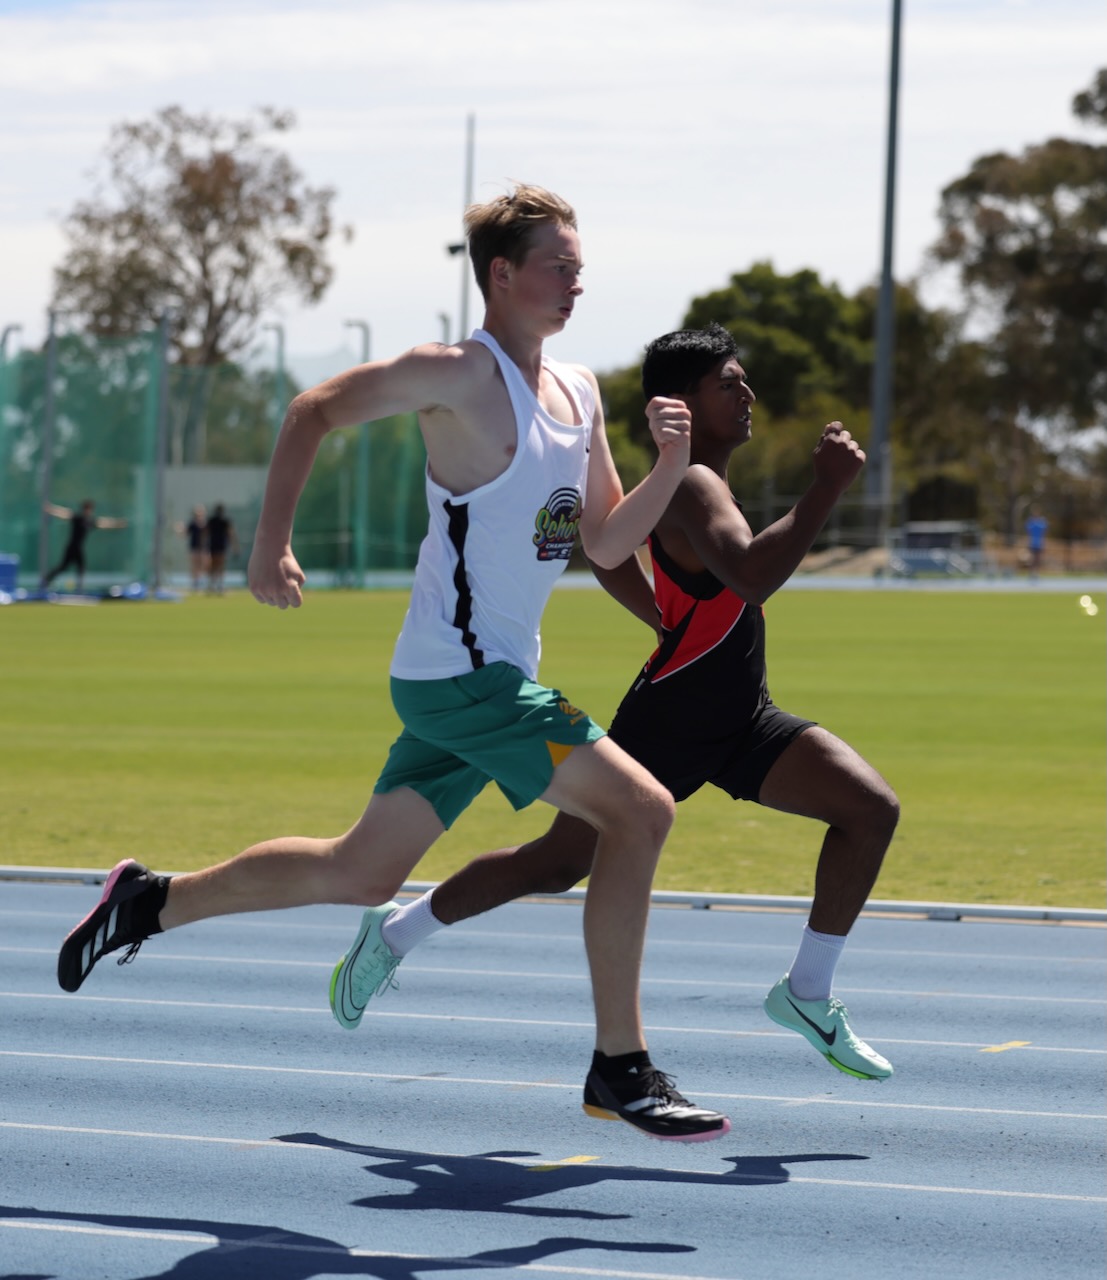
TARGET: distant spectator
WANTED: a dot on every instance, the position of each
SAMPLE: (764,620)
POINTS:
(80,523)
(221,536)
(196,531)
(1036,528)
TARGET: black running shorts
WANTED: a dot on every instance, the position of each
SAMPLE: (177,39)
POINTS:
(736,764)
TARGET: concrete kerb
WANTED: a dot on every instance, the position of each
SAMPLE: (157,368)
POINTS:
(702,901)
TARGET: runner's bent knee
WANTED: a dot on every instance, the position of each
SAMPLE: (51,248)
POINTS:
(648,806)
(867,801)
(613,792)
(883,810)
(634,803)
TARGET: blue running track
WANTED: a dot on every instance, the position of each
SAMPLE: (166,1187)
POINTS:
(199,1114)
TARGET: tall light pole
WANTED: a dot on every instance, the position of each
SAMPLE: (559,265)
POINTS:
(8,331)
(279,392)
(46,463)
(361,478)
(878,479)
(459,247)
(161,447)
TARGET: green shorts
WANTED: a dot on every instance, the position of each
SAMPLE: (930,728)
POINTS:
(492,724)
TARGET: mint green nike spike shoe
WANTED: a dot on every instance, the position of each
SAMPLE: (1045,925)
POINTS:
(823,1023)
(365,971)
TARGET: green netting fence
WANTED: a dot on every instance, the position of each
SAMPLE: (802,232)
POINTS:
(147,440)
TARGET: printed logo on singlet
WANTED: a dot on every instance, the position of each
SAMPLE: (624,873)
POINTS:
(555,526)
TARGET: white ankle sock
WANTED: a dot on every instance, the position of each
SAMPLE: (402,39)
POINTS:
(408,925)
(811,976)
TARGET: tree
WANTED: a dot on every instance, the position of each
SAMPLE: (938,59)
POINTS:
(808,350)
(201,216)
(798,335)
(1027,236)
(993,403)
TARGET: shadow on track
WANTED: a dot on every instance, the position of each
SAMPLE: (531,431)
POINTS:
(490,1181)
(245,1251)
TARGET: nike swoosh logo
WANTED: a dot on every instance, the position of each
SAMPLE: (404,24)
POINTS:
(828,1037)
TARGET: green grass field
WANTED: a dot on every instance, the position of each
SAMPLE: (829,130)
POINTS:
(180,733)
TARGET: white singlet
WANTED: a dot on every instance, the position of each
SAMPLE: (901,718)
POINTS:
(491,557)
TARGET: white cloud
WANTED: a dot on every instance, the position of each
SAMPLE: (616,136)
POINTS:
(693,139)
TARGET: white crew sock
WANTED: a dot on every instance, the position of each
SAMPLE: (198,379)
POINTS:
(408,925)
(811,976)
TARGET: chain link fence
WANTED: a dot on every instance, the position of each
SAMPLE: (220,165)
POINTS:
(113,422)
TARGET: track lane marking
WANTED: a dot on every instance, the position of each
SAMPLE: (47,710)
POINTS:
(560,1164)
(436,1078)
(455,971)
(858,949)
(317,1011)
(725,1177)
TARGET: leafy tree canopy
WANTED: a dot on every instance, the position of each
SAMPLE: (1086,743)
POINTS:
(1027,235)
(202,216)
(799,334)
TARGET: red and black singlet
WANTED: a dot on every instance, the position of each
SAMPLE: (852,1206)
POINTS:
(706,680)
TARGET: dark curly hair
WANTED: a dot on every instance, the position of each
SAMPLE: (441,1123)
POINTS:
(675,362)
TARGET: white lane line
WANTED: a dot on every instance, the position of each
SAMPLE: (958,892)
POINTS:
(700,983)
(334,1073)
(960,1191)
(717,944)
(242,924)
(700,1175)
(457,971)
(317,1011)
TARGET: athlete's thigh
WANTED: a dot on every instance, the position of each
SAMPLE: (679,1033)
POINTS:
(819,776)
(602,784)
(391,836)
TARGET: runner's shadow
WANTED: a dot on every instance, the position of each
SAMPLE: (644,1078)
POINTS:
(493,1181)
(247,1251)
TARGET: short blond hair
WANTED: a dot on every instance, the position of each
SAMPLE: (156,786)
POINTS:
(502,227)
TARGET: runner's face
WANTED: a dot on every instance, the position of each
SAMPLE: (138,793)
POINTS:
(547,283)
(721,404)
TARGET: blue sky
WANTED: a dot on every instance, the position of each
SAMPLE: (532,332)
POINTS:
(694,138)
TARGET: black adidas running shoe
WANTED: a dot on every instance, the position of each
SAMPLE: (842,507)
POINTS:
(645,1098)
(108,926)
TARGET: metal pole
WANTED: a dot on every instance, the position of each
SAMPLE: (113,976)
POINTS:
(878,478)
(470,134)
(46,463)
(161,446)
(8,331)
(279,408)
(361,487)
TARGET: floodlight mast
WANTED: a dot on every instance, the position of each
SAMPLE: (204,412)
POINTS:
(9,329)
(362,475)
(460,246)
(878,474)
(46,465)
(161,447)
(279,393)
